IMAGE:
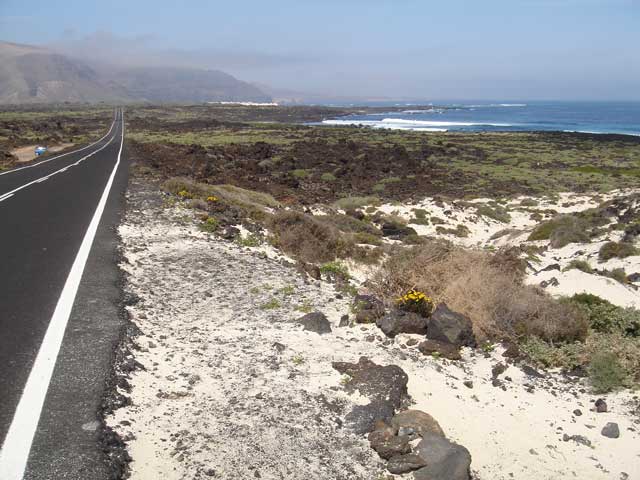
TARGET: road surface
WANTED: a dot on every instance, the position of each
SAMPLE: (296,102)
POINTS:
(58,307)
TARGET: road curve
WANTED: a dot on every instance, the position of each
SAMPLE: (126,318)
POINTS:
(58,308)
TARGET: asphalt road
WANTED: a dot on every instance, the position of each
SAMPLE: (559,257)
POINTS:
(58,308)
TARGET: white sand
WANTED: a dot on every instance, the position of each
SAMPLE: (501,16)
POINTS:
(217,394)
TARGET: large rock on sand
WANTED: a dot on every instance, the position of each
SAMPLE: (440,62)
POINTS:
(445,460)
(384,386)
(399,321)
(315,322)
(415,422)
(368,308)
(451,327)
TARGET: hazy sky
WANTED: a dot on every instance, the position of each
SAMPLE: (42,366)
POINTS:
(449,49)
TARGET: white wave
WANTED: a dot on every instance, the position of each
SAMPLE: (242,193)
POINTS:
(382,124)
(430,110)
(602,133)
(429,123)
(493,105)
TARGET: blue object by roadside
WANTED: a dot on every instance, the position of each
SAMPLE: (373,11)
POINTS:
(40,150)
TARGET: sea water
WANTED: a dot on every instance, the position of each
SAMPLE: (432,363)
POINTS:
(507,116)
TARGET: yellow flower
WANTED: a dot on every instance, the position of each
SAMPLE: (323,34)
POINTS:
(212,198)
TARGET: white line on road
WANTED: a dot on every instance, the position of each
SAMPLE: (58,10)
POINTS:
(17,444)
(4,196)
(63,155)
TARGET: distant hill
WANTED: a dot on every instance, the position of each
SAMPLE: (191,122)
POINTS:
(31,74)
(34,75)
(180,85)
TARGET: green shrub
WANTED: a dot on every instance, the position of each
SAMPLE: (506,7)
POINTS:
(561,231)
(460,231)
(618,274)
(616,250)
(606,373)
(307,238)
(300,173)
(497,213)
(419,221)
(349,224)
(528,202)
(366,238)
(328,177)
(605,317)
(335,270)
(353,203)
(420,213)
(581,265)
(209,225)
(251,240)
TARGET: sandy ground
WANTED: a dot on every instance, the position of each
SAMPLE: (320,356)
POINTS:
(26,154)
(483,234)
(233,390)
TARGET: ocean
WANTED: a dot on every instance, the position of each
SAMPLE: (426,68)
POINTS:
(586,117)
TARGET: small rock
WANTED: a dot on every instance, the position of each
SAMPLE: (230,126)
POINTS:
(498,369)
(611,430)
(578,439)
(512,351)
(344,321)
(315,322)
(412,341)
(577,412)
(531,372)
(601,405)
(468,383)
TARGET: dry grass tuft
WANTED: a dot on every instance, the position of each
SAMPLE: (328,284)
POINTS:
(307,238)
(487,288)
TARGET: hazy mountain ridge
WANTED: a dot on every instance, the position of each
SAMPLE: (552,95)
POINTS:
(31,74)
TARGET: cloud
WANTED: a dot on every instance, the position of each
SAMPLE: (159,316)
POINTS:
(142,50)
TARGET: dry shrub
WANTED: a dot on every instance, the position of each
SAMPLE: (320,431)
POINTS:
(487,288)
(307,238)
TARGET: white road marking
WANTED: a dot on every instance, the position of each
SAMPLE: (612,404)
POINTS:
(64,154)
(63,169)
(17,444)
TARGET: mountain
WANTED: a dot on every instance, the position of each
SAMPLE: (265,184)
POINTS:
(182,85)
(35,75)
(31,74)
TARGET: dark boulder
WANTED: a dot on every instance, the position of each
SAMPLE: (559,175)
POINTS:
(384,386)
(601,405)
(400,321)
(386,444)
(611,430)
(446,350)
(415,422)
(405,463)
(448,326)
(445,460)
(368,308)
(315,322)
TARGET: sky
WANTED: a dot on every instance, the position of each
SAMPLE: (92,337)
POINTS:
(410,49)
